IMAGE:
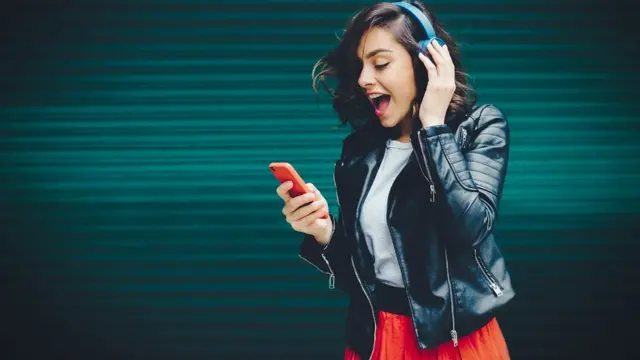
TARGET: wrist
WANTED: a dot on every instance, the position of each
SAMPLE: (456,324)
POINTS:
(429,120)
(324,237)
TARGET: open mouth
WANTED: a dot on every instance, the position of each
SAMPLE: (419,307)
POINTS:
(380,103)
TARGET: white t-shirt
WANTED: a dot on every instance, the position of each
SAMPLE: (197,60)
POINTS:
(373,219)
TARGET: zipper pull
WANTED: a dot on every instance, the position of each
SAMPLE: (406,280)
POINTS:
(454,337)
(464,138)
(496,289)
(432,191)
(332,281)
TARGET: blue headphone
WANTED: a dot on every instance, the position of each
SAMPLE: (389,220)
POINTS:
(419,16)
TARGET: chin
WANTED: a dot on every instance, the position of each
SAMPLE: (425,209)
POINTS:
(389,123)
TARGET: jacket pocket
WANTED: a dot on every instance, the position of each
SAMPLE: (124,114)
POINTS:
(486,274)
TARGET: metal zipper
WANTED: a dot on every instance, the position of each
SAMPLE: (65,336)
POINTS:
(454,333)
(432,188)
(404,281)
(332,277)
(366,294)
(492,284)
(314,265)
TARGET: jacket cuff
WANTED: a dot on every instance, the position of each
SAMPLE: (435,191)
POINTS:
(435,130)
(311,251)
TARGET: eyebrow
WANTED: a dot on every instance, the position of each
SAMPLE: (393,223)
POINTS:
(376,52)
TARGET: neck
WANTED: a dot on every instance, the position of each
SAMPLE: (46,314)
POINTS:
(405,128)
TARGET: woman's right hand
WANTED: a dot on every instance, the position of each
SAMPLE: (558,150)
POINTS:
(304,213)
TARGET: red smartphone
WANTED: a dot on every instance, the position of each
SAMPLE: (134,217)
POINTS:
(285,172)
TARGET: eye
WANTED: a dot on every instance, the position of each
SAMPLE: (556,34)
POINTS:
(381,66)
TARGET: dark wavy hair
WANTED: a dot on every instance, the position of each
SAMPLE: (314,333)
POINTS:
(343,65)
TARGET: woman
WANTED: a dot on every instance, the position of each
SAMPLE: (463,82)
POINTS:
(418,185)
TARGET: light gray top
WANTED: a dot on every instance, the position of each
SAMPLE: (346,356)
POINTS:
(373,218)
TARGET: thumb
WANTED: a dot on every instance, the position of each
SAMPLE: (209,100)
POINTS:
(314,190)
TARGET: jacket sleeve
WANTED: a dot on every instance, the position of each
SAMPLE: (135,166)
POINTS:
(332,259)
(467,186)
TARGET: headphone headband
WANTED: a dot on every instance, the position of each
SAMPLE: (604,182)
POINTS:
(422,19)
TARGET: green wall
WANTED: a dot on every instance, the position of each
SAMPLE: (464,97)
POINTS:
(139,219)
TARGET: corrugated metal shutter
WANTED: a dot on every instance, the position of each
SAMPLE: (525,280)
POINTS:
(140,218)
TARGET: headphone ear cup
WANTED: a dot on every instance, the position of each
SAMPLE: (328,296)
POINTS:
(440,41)
(423,44)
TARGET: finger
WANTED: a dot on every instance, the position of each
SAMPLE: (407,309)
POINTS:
(449,68)
(297,202)
(315,191)
(444,51)
(283,190)
(435,54)
(432,71)
(312,188)
(439,49)
(318,214)
(319,197)
(305,210)
(447,64)
(312,217)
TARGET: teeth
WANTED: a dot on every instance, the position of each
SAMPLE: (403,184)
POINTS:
(375,96)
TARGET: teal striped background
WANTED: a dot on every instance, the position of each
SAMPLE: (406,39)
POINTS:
(139,219)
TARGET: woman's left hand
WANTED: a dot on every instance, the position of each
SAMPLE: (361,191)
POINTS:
(440,87)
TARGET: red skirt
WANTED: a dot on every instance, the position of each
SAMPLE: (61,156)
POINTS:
(396,340)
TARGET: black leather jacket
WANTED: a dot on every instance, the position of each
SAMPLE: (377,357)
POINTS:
(441,212)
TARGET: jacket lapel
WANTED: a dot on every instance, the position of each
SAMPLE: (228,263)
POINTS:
(360,175)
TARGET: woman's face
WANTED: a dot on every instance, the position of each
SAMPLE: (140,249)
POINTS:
(387,76)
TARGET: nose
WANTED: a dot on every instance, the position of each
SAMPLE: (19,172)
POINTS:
(366,78)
